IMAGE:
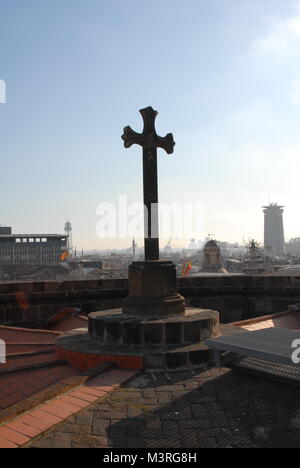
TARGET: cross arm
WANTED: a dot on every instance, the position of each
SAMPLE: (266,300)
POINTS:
(131,137)
(149,137)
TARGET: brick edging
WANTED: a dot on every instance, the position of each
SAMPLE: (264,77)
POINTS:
(20,431)
(52,391)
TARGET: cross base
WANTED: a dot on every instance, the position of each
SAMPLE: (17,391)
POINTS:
(152,290)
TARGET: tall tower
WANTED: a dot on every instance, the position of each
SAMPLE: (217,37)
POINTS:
(273,230)
(68,232)
(134,246)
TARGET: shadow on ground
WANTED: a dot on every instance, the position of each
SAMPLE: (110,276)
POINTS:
(210,409)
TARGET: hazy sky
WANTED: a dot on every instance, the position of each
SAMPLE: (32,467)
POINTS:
(224,75)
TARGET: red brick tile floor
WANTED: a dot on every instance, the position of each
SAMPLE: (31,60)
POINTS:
(18,386)
(30,365)
(212,408)
(22,429)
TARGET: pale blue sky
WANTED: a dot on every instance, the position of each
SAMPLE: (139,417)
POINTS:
(224,75)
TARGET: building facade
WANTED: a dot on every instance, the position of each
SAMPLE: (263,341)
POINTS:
(31,249)
(273,230)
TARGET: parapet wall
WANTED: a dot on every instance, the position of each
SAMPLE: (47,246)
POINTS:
(235,297)
(241,297)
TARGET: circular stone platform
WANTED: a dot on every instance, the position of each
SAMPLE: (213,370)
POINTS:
(115,327)
(140,342)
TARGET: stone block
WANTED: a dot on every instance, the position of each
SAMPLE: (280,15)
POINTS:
(206,329)
(199,357)
(234,303)
(99,328)
(152,290)
(113,331)
(152,279)
(191,332)
(153,333)
(154,361)
(173,332)
(176,359)
(132,334)
(280,305)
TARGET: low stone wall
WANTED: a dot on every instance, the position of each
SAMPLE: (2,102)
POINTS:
(241,297)
(32,304)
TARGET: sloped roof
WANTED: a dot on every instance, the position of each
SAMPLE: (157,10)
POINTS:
(31,365)
(289,320)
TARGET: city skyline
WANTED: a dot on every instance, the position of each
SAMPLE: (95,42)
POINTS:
(186,243)
(225,81)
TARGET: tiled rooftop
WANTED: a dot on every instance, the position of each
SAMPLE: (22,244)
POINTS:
(287,320)
(71,322)
(37,391)
(30,365)
(208,409)
(20,430)
(46,403)
(17,387)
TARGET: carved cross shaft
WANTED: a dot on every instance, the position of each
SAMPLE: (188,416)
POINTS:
(150,141)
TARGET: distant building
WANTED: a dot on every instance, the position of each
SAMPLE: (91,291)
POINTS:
(254,261)
(273,230)
(233,265)
(90,264)
(293,246)
(289,271)
(193,245)
(212,259)
(5,230)
(31,249)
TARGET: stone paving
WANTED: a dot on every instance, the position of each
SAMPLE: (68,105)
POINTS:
(208,409)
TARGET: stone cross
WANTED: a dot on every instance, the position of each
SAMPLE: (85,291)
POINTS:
(150,141)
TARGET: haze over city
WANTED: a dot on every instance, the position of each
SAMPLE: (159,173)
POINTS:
(223,75)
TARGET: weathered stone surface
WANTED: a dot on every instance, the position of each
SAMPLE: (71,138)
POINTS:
(215,408)
(191,332)
(256,295)
(117,327)
(152,290)
(153,333)
(174,332)
(158,348)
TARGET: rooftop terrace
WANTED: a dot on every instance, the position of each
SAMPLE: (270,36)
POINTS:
(44,402)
